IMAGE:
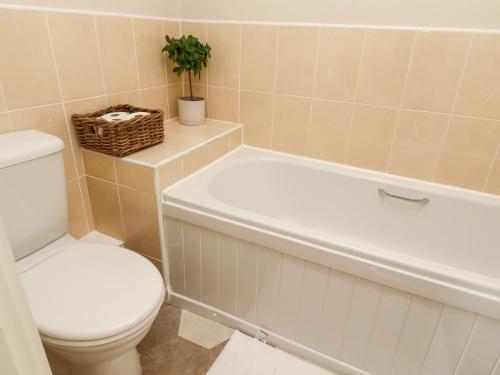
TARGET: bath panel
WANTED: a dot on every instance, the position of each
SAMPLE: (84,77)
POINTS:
(361,323)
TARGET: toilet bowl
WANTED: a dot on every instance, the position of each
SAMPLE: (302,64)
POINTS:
(92,303)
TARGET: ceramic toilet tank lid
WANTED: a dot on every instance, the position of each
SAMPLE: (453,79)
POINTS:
(92,292)
(19,147)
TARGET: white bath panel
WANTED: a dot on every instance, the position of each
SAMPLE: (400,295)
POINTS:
(244,355)
(202,331)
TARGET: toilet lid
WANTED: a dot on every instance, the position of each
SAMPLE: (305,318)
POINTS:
(91,292)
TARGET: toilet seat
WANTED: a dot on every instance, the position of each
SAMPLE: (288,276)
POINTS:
(89,294)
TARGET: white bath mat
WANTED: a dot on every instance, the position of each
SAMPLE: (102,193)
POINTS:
(244,355)
(202,331)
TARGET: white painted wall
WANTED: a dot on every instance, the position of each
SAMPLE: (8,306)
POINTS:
(156,8)
(482,14)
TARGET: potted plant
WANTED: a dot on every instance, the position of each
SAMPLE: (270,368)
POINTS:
(191,56)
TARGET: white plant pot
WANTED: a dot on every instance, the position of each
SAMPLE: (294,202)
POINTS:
(191,112)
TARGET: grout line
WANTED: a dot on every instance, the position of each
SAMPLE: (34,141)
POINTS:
(358,79)
(239,72)
(275,82)
(452,110)
(492,166)
(122,221)
(65,114)
(138,76)
(165,68)
(257,280)
(252,22)
(99,54)
(85,214)
(315,74)
(401,101)
(4,98)
(200,230)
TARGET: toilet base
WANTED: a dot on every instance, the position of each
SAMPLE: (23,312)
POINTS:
(126,364)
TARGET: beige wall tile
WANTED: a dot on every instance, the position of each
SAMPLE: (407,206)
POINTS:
(77,54)
(371,136)
(105,207)
(291,123)
(435,71)
(219,147)
(417,144)
(99,165)
(339,57)
(148,44)
(77,223)
(223,67)
(258,57)
(86,202)
(135,176)
(174,93)
(3,106)
(117,52)
(81,107)
(493,182)
(384,66)
(170,173)
(479,94)
(49,119)
(236,139)
(128,97)
(468,152)
(140,221)
(27,70)
(329,129)
(223,103)
(198,90)
(197,29)
(4,123)
(155,98)
(257,117)
(296,60)
(172,29)
(195,160)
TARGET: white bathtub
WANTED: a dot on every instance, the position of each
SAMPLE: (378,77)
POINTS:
(446,248)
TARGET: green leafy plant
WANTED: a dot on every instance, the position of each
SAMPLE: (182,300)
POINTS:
(189,55)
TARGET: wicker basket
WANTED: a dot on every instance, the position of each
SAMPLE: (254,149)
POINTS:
(119,138)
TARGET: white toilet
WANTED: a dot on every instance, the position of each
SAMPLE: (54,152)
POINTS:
(92,303)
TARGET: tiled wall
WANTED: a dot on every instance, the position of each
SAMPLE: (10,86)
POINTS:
(419,104)
(56,64)
(124,195)
(367,325)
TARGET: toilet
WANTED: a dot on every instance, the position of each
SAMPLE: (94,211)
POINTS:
(92,303)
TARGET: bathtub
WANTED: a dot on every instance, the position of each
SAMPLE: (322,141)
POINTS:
(384,233)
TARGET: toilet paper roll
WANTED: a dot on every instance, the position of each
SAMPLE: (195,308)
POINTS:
(116,116)
(136,114)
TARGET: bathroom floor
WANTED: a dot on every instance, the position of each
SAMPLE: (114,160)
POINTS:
(164,353)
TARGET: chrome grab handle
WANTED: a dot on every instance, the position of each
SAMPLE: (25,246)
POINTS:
(384,193)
